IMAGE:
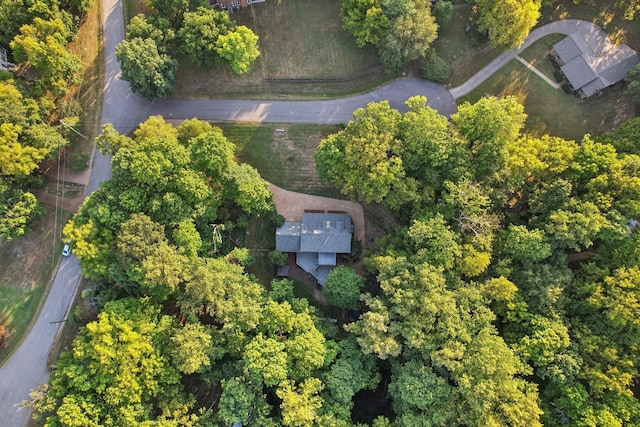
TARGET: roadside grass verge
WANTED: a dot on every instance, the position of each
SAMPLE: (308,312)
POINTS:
(552,111)
(85,100)
(26,267)
(283,153)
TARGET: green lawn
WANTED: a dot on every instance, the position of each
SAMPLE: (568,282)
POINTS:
(537,55)
(283,158)
(552,111)
(26,267)
(298,39)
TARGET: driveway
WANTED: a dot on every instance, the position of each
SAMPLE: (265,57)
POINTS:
(566,27)
(27,367)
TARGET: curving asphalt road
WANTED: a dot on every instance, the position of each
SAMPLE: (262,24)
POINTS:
(27,367)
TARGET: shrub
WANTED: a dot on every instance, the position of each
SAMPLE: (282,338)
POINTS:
(277,258)
(436,70)
(79,161)
(442,11)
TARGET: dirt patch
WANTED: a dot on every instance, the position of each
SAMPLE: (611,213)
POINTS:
(292,205)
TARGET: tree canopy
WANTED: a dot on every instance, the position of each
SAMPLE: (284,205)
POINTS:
(402,30)
(204,36)
(507,22)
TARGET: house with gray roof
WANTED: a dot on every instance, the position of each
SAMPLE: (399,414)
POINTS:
(592,62)
(316,240)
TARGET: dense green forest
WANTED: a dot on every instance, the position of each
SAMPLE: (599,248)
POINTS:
(507,295)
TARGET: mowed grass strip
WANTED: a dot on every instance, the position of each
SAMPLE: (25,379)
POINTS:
(283,153)
(552,111)
(26,267)
(298,39)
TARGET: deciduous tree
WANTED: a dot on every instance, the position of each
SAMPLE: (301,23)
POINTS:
(343,287)
(151,73)
(507,22)
(239,47)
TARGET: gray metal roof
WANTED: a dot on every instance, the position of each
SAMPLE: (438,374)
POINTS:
(326,232)
(288,237)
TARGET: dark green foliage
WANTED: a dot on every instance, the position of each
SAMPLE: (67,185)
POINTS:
(436,69)
(343,287)
(205,37)
(151,73)
(633,83)
(278,258)
(401,29)
(443,11)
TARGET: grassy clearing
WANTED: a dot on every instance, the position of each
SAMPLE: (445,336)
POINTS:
(461,51)
(298,39)
(283,157)
(26,267)
(536,55)
(552,111)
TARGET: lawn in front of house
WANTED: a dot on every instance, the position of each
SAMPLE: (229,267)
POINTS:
(600,12)
(552,111)
(283,153)
(538,55)
(26,267)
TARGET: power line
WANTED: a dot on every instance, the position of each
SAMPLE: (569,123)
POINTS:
(71,127)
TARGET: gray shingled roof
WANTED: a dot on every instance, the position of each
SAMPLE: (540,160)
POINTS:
(288,237)
(594,62)
(325,232)
(578,72)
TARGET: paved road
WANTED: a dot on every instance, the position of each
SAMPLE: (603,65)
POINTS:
(27,368)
